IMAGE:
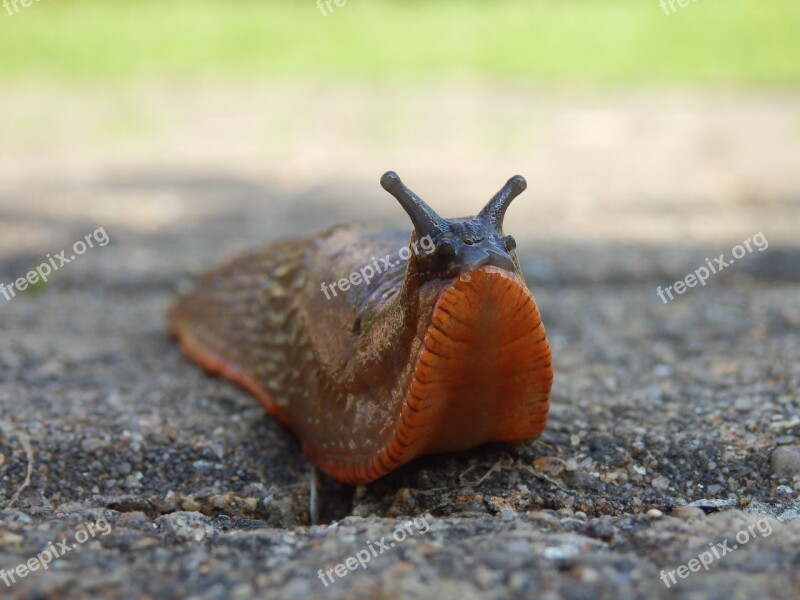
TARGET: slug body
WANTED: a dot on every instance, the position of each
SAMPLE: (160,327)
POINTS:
(440,352)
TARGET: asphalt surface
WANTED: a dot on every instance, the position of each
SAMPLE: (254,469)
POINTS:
(674,437)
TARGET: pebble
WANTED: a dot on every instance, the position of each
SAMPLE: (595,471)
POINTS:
(545,516)
(90,445)
(714,503)
(185,527)
(653,513)
(9,539)
(550,464)
(601,529)
(664,370)
(134,520)
(785,461)
(688,513)
(660,483)
(785,439)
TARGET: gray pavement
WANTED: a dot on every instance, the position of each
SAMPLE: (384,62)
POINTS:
(661,446)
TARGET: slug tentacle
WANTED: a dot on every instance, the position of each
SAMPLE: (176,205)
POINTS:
(495,210)
(440,351)
(424,218)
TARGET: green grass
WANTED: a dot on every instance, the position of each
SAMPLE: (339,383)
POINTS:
(746,42)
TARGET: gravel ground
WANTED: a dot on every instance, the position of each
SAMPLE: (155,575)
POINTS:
(674,428)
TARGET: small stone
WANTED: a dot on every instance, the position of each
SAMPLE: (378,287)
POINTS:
(550,464)
(581,480)
(89,445)
(715,503)
(586,574)
(185,527)
(785,461)
(508,514)
(785,439)
(132,482)
(601,529)
(222,500)
(8,538)
(660,483)
(654,513)
(191,505)
(11,515)
(688,513)
(545,516)
(664,370)
(145,543)
(134,520)
(218,450)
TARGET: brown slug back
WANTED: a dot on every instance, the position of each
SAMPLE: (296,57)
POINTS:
(440,353)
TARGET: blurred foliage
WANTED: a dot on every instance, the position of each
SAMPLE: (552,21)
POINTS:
(747,42)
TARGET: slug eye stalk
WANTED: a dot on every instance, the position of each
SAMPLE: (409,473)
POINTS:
(496,208)
(462,244)
(427,222)
(424,218)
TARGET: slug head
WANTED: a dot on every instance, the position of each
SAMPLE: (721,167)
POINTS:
(463,244)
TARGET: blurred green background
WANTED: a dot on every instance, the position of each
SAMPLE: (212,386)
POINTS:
(633,121)
(745,42)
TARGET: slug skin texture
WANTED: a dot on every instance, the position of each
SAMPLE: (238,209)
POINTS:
(443,352)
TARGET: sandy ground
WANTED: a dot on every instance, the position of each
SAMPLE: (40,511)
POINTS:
(665,418)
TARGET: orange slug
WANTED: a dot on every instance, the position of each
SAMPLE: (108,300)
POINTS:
(373,367)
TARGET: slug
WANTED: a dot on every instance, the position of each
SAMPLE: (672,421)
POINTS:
(372,360)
